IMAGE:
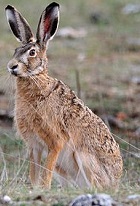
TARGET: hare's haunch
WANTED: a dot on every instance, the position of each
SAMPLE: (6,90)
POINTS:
(79,147)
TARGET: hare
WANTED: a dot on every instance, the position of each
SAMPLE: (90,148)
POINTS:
(50,117)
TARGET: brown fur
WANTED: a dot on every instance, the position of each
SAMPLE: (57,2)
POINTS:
(52,115)
(49,116)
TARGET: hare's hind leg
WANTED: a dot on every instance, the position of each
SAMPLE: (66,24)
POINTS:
(35,162)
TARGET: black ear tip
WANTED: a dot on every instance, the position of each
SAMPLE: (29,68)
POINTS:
(54,4)
(9,7)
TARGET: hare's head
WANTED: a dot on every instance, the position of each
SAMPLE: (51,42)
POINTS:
(30,58)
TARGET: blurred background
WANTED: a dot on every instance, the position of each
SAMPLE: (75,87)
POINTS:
(96,51)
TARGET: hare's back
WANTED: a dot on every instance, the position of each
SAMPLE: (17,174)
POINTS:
(81,123)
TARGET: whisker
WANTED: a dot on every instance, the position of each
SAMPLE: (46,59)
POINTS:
(35,81)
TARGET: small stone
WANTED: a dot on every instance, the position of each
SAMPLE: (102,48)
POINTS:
(69,32)
(5,199)
(133,199)
(131,9)
(137,132)
(91,200)
(133,44)
(97,18)
(135,80)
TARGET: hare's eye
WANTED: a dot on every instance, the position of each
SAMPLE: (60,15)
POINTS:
(32,52)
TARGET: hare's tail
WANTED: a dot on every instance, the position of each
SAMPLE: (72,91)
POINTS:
(71,169)
(91,170)
(83,170)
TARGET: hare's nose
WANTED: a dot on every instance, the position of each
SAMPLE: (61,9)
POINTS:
(13,69)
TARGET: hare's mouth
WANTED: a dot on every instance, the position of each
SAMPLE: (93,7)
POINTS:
(14,73)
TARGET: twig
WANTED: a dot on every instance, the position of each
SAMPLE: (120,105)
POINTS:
(78,85)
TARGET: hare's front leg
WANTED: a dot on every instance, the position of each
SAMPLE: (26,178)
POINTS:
(35,161)
(50,164)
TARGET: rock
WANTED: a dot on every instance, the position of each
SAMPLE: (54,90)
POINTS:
(5,200)
(97,18)
(1,92)
(69,32)
(136,155)
(91,200)
(133,200)
(133,44)
(137,132)
(113,121)
(135,80)
(81,57)
(131,9)
(121,116)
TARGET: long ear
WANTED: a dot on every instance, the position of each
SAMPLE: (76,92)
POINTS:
(18,25)
(48,24)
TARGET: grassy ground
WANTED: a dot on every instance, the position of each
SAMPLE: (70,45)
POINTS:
(105,64)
